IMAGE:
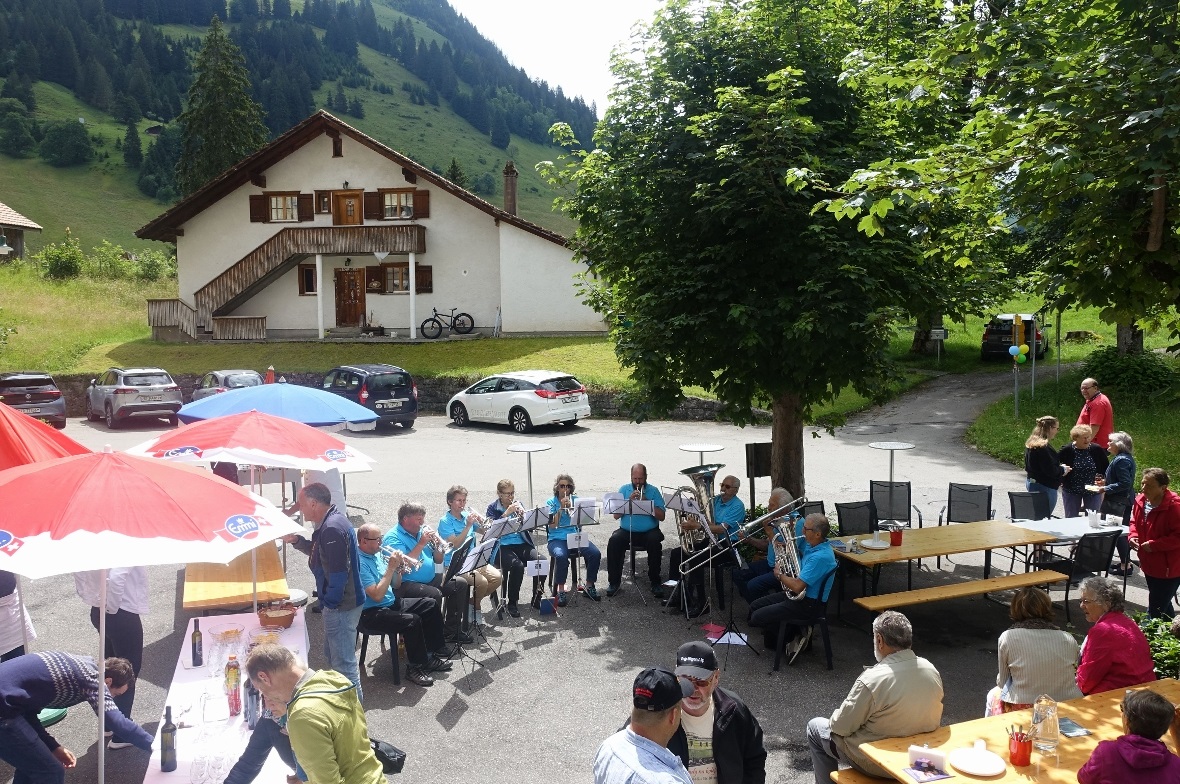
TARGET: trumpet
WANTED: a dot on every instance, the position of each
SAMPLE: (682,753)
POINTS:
(407,566)
(440,544)
(786,559)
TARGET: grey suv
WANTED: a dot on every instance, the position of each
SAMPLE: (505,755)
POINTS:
(386,390)
(123,393)
(36,394)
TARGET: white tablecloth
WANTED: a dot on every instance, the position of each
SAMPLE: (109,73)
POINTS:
(200,710)
(1065,528)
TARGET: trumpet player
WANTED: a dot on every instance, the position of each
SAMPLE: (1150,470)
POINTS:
(515,549)
(455,527)
(637,531)
(426,548)
(418,620)
(817,562)
(561,506)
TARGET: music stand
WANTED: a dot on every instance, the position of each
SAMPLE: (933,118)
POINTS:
(475,557)
(686,503)
(580,514)
(615,503)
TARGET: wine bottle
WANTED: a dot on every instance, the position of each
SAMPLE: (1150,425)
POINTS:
(198,647)
(168,742)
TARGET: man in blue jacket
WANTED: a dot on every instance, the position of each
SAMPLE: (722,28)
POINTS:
(55,679)
(333,556)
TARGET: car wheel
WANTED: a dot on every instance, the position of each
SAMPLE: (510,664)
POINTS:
(60,425)
(518,418)
(90,415)
(459,415)
(112,423)
(408,424)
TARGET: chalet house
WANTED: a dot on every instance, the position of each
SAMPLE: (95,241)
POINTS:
(326,228)
(13,226)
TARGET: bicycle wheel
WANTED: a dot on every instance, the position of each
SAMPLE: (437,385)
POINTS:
(431,328)
(463,323)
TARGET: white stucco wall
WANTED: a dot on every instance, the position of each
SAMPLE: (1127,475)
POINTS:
(537,286)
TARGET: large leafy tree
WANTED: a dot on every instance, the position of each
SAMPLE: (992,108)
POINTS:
(222,123)
(697,218)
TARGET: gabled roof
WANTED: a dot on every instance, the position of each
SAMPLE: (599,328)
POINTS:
(10,217)
(164,228)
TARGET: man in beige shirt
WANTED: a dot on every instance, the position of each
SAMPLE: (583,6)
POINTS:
(900,696)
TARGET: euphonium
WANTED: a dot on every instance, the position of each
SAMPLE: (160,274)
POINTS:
(786,559)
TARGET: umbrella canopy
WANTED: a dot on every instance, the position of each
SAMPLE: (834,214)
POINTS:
(107,509)
(25,440)
(303,404)
(255,438)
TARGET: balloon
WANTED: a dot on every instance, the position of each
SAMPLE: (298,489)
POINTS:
(1023,348)
(1021,359)
(1013,350)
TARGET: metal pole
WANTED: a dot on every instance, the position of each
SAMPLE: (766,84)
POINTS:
(529,455)
(1016,393)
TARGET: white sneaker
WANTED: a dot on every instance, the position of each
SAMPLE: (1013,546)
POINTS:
(115,745)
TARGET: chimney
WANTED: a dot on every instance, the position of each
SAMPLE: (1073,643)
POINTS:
(510,188)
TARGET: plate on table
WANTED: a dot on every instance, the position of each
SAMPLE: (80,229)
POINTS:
(869,544)
(977,762)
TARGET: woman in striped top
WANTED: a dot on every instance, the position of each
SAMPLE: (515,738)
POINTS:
(1035,656)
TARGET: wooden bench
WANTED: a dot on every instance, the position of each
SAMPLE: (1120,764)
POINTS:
(853,776)
(889,601)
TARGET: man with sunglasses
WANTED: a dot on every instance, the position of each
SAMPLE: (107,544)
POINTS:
(728,514)
(719,740)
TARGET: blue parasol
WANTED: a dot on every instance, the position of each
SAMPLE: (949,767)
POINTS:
(303,404)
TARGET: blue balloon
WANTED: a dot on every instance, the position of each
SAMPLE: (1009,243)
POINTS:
(1014,350)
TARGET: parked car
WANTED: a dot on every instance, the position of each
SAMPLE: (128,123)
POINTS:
(387,390)
(217,381)
(121,394)
(36,394)
(522,399)
(997,336)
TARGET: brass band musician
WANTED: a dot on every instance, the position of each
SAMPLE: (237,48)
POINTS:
(728,514)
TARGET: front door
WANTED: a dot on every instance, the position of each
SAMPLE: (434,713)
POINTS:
(350,296)
(346,208)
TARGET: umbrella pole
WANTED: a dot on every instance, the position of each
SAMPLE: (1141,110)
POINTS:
(24,625)
(254,551)
(283,485)
(102,678)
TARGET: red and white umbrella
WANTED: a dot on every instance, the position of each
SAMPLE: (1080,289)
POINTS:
(255,438)
(25,440)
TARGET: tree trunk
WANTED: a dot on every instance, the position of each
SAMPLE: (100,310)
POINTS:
(786,451)
(922,344)
(1130,339)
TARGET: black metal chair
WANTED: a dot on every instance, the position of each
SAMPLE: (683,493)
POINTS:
(363,633)
(856,518)
(966,504)
(811,507)
(1031,505)
(1091,555)
(893,502)
(820,619)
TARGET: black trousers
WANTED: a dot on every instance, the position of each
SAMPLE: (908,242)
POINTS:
(418,621)
(513,557)
(621,541)
(768,611)
(721,558)
(453,597)
(124,640)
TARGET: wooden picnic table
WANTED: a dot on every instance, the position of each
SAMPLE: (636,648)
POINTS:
(1098,713)
(215,586)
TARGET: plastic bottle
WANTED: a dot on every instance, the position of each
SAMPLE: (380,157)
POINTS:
(198,645)
(233,685)
(168,742)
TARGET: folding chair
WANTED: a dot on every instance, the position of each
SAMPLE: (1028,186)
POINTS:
(1091,555)
(966,504)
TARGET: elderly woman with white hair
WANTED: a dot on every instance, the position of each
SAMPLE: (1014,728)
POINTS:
(1118,493)
(1115,654)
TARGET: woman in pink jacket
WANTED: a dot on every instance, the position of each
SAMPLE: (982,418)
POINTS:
(1115,654)
(1155,533)
(1138,755)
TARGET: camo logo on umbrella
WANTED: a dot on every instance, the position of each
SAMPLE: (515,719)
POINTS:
(181,451)
(336,454)
(9,544)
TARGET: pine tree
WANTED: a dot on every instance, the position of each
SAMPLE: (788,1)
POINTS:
(338,102)
(356,108)
(222,123)
(132,148)
(455,174)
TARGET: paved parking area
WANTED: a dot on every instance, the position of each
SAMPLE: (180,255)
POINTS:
(547,690)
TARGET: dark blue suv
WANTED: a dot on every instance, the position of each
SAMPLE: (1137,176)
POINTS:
(387,390)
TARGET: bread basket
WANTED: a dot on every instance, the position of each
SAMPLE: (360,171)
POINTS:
(279,616)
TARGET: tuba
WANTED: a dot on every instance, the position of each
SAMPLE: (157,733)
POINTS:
(701,491)
(786,558)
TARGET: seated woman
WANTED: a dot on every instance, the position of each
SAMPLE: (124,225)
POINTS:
(560,527)
(1138,755)
(1118,493)
(1087,462)
(455,527)
(1115,654)
(516,550)
(1035,656)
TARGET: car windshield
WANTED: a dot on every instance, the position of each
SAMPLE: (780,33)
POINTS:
(239,380)
(386,381)
(563,384)
(147,380)
(25,383)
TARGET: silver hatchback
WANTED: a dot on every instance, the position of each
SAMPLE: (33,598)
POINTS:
(121,394)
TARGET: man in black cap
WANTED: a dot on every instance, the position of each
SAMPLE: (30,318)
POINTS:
(638,752)
(719,740)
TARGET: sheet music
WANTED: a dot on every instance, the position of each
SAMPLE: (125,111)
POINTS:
(681,502)
(502,527)
(478,556)
(539,568)
(583,512)
(622,505)
(535,518)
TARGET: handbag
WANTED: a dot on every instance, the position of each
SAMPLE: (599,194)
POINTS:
(392,758)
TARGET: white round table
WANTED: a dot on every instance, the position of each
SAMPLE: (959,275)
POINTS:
(528,449)
(701,449)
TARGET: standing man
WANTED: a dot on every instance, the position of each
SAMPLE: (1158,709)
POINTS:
(900,696)
(325,720)
(719,740)
(424,547)
(127,601)
(1097,413)
(638,753)
(54,679)
(637,530)
(333,557)
(417,620)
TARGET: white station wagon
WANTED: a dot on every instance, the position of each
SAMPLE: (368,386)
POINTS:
(522,399)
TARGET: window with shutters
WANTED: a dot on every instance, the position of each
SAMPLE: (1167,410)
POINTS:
(397,204)
(307,280)
(323,202)
(284,207)
(396,275)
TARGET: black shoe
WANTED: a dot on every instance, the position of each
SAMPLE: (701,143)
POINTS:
(657,591)
(513,610)
(698,611)
(317,607)
(460,637)
(437,664)
(416,676)
(536,602)
(446,652)
(611,590)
